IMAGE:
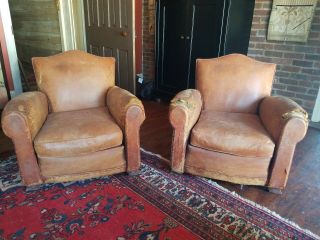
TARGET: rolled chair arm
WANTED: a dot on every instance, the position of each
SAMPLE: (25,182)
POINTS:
(184,112)
(21,120)
(128,112)
(287,123)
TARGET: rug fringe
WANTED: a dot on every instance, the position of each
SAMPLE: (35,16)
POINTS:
(287,221)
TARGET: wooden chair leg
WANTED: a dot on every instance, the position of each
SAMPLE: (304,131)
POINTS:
(274,190)
(134,173)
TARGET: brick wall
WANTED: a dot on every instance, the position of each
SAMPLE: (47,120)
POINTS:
(298,64)
(148,55)
(298,70)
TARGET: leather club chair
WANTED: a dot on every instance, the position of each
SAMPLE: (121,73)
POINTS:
(78,125)
(231,129)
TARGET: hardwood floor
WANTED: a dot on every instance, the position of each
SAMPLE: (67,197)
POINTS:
(300,201)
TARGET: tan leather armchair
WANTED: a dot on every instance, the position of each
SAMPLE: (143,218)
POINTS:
(78,125)
(231,129)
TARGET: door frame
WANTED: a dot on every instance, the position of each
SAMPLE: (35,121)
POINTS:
(3,71)
(316,110)
(72,25)
(9,51)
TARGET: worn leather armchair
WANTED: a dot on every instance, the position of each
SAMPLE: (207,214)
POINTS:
(78,125)
(231,129)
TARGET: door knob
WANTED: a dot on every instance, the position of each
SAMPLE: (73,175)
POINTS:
(124,34)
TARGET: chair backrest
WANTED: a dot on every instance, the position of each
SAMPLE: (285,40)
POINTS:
(233,83)
(74,80)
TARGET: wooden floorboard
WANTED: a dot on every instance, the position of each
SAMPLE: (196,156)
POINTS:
(300,201)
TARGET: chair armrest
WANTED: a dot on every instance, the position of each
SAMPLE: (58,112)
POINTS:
(184,112)
(287,123)
(21,120)
(30,108)
(275,113)
(128,112)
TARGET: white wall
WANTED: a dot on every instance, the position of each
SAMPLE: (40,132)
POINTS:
(316,110)
(11,46)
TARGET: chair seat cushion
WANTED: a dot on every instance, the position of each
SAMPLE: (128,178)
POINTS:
(239,134)
(77,132)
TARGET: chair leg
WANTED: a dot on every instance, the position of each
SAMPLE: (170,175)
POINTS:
(275,190)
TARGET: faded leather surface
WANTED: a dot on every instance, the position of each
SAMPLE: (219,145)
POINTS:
(77,132)
(111,159)
(236,169)
(287,123)
(32,107)
(21,120)
(134,120)
(233,83)
(80,139)
(239,134)
(74,80)
(27,160)
(271,113)
(129,113)
(184,112)
(119,101)
(232,143)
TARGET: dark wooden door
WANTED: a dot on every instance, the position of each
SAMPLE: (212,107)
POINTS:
(205,31)
(186,30)
(110,32)
(191,29)
(172,50)
(238,29)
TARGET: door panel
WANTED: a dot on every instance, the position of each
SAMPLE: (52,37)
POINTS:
(110,32)
(123,74)
(171,46)
(206,20)
(239,28)
(107,52)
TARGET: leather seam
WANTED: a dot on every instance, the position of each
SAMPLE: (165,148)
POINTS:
(81,155)
(254,157)
(217,172)
(70,140)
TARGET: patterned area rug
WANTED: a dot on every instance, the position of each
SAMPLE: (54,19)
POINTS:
(156,204)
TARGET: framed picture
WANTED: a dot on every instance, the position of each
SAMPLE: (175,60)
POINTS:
(291,20)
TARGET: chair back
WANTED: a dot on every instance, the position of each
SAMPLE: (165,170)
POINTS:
(233,83)
(74,80)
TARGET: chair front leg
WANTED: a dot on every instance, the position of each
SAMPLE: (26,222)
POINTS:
(134,118)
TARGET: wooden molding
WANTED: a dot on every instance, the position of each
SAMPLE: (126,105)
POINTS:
(9,50)
(5,56)
(316,110)
(71,20)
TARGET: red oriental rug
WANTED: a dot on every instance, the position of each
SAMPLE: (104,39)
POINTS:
(157,204)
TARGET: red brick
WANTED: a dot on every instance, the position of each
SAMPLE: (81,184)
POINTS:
(293,55)
(302,63)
